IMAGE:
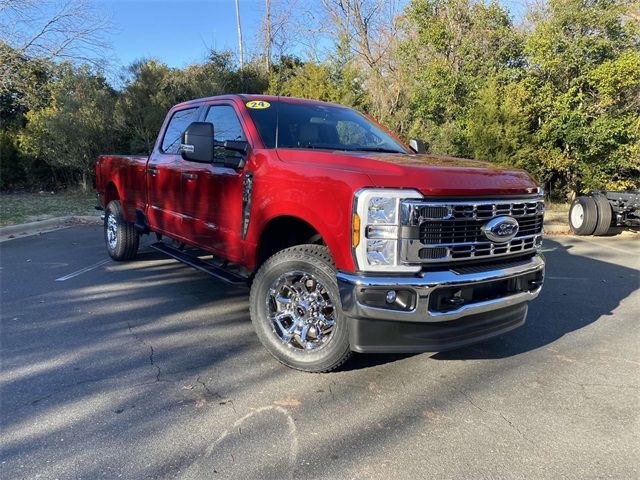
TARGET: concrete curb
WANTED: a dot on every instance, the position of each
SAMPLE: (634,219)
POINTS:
(43,226)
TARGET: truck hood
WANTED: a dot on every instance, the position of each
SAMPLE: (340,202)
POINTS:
(432,175)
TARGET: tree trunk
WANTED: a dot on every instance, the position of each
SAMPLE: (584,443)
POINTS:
(83,182)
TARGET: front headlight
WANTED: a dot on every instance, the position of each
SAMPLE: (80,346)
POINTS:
(376,229)
(382,210)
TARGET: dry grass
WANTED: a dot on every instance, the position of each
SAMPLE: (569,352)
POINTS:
(556,207)
(16,208)
(556,213)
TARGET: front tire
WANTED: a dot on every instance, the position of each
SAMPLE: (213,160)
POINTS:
(296,310)
(120,237)
(583,216)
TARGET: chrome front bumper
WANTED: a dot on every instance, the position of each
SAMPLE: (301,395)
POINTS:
(427,283)
(419,326)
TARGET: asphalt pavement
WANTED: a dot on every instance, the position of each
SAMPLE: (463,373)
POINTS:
(150,369)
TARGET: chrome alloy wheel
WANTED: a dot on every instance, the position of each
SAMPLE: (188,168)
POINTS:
(112,231)
(301,312)
(577,215)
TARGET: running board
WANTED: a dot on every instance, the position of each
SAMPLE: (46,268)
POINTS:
(216,272)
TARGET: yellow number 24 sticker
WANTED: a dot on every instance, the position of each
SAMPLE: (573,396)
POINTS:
(258,104)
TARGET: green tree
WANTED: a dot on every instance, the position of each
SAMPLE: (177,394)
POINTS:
(497,124)
(143,103)
(75,126)
(151,88)
(336,79)
(24,84)
(585,85)
(311,80)
(451,50)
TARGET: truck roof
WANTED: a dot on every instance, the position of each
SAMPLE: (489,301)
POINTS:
(248,97)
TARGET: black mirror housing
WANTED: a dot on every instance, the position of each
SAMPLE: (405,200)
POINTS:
(238,147)
(417,145)
(197,142)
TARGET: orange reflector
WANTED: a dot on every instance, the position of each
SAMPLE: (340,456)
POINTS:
(355,239)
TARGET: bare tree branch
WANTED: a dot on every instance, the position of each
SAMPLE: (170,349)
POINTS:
(52,29)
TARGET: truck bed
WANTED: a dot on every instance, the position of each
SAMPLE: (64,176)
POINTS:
(129,172)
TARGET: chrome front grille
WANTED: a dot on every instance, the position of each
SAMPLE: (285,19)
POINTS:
(448,231)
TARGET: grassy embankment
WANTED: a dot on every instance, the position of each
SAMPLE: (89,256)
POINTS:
(16,208)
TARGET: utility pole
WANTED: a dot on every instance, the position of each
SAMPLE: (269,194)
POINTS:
(239,34)
(267,45)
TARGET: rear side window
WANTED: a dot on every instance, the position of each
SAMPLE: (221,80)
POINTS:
(226,125)
(179,122)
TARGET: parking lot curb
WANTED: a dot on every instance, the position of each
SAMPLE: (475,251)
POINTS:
(34,228)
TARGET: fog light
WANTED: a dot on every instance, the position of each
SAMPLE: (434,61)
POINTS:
(391,296)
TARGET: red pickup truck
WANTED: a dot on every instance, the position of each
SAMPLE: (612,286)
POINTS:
(349,239)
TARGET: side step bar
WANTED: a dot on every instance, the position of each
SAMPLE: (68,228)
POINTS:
(216,272)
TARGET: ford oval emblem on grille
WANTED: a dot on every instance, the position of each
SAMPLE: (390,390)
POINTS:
(501,229)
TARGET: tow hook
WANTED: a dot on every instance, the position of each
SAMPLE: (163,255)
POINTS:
(535,284)
(456,300)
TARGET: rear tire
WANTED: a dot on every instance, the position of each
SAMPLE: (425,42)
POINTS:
(605,214)
(583,216)
(120,237)
(296,309)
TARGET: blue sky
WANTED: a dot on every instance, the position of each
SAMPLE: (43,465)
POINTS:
(180,32)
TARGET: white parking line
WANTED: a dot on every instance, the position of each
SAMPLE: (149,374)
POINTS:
(83,270)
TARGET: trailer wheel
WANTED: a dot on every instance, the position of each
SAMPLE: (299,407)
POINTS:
(583,216)
(604,215)
(120,236)
(296,310)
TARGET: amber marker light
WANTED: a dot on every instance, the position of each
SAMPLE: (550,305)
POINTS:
(355,238)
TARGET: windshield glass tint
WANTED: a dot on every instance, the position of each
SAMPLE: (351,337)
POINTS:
(320,126)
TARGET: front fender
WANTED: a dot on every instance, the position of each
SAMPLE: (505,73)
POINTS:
(325,204)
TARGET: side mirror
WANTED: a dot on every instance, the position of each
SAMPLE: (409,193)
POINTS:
(197,142)
(418,146)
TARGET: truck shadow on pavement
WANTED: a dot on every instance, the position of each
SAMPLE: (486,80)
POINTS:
(578,291)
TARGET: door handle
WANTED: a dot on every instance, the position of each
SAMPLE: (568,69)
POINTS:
(189,176)
(153,171)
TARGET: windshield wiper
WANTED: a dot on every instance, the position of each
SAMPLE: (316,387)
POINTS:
(318,147)
(376,149)
(342,149)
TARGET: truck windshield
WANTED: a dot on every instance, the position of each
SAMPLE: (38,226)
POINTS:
(316,126)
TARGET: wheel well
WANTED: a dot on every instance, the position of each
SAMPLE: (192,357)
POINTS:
(285,232)
(111,193)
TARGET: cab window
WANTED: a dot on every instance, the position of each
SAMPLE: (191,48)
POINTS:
(226,125)
(179,122)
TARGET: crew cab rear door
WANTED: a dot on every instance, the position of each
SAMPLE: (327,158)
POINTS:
(164,175)
(212,193)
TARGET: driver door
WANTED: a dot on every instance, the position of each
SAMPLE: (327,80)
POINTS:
(164,182)
(212,193)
